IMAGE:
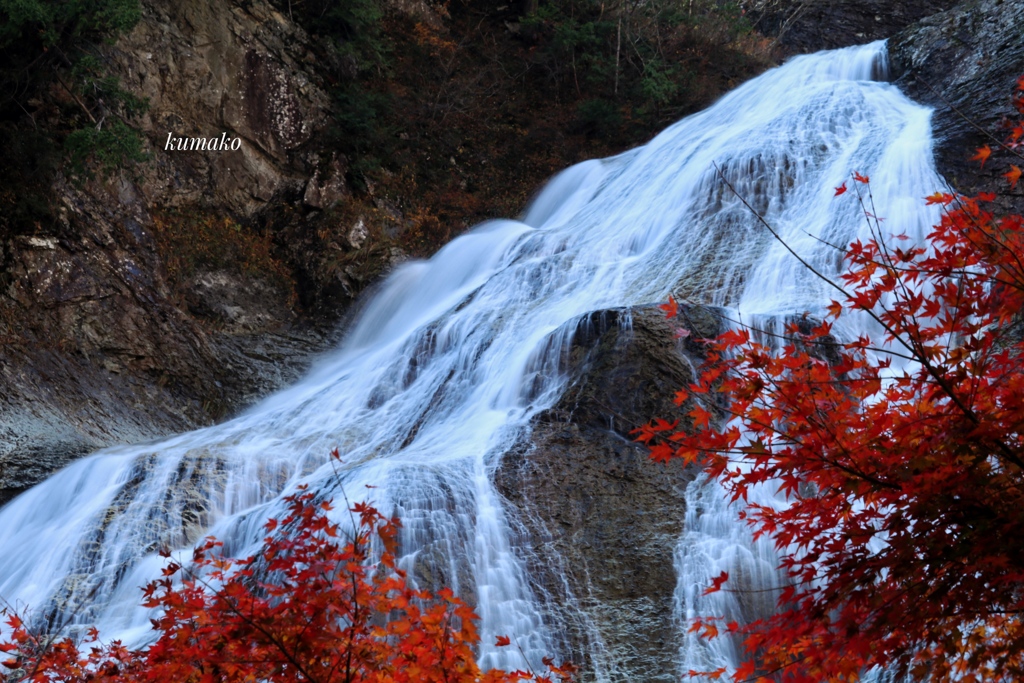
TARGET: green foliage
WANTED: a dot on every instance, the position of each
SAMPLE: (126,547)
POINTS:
(354,27)
(89,73)
(598,116)
(659,82)
(52,46)
(44,24)
(360,49)
(109,148)
(361,129)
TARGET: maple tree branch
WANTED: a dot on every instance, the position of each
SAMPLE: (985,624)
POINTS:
(232,607)
(775,234)
(821,341)
(914,345)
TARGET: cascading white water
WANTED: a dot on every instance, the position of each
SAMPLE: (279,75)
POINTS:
(444,368)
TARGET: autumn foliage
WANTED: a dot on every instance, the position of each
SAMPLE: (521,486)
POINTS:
(900,458)
(306,609)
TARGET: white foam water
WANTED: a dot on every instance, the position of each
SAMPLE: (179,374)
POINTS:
(445,366)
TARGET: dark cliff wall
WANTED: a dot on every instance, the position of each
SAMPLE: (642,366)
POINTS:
(104,341)
(601,521)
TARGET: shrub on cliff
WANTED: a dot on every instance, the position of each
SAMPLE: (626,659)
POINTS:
(55,83)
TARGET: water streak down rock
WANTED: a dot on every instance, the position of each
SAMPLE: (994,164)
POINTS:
(965,62)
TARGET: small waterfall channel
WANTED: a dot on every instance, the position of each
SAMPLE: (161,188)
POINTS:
(445,366)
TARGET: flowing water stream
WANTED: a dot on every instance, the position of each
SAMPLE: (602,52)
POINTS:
(446,364)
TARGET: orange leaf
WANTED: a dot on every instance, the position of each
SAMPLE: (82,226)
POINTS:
(716,583)
(943,198)
(701,417)
(671,308)
(502,641)
(745,670)
(983,154)
(840,190)
(1013,175)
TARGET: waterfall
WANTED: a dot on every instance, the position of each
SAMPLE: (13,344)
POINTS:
(444,368)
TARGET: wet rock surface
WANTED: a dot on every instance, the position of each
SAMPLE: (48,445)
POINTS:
(964,62)
(599,520)
(96,352)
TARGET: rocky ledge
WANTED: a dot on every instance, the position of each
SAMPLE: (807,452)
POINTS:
(102,343)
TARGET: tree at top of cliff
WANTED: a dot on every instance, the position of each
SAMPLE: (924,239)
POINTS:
(902,469)
(305,609)
(57,91)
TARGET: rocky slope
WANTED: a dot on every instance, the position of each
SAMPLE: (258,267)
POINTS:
(812,25)
(965,62)
(101,344)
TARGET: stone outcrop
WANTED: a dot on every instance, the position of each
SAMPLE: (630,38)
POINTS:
(962,58)
(212,67)
(600,521)
(964,62)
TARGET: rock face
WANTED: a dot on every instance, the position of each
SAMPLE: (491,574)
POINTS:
(812,25)
(600,520)
(964,62)
(209,68)
(98,348)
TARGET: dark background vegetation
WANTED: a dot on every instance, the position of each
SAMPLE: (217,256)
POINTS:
(458,113)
